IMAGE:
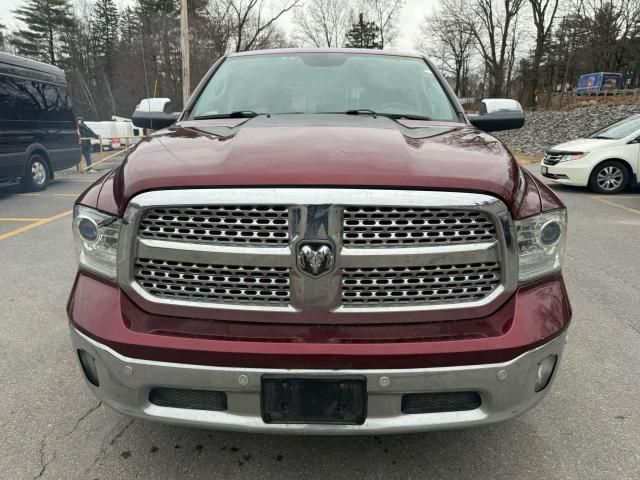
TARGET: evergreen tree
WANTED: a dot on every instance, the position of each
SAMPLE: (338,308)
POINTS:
(105,28)
(46,24)
(363,34)
(3,38)
(129,27)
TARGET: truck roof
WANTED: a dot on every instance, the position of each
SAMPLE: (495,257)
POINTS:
(28,64)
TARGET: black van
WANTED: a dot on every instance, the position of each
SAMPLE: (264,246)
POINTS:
(38,133)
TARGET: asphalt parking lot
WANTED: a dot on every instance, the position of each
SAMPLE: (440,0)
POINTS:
(52,427)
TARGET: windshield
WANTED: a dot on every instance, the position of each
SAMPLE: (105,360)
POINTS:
(324,83)
(620,129)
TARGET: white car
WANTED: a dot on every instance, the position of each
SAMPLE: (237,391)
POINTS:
(606,162)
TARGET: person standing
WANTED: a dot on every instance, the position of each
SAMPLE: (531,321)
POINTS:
(85,134)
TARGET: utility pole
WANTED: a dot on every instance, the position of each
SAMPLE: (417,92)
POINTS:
(184,37)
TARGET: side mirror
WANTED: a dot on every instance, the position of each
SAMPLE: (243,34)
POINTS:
(495,122)
(153,120)
(498,114)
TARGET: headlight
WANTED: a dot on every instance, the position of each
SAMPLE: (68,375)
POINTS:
(541,244)
(96,238)
(572,156)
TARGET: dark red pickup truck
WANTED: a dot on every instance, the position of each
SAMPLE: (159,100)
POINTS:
(321,242)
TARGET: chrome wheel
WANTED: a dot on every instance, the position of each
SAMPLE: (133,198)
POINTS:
(610,178)
(38,173)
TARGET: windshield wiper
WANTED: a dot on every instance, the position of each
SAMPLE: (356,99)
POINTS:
(393,116)
(361,111)
(602,137)
(235,114)
(406,116)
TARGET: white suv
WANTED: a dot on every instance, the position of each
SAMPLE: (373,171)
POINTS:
(606,162)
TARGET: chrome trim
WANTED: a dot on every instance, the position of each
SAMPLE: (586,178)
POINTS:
(506,389)
(194,252)
(315,214)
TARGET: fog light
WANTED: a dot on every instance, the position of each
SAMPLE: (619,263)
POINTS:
(88,364)
(545,371)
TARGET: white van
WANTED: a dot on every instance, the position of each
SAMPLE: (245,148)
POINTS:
(109,136)
(115,135)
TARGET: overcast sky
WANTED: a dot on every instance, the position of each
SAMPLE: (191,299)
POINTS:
(411,16)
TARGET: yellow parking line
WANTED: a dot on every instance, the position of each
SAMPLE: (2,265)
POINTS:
(614,204)
(20,219)
(37,224)
(39,194)
(617,197)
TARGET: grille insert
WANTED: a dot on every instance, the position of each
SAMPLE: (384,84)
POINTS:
(198,282)
(437,284)
(229,225)
(189,399)
(409,226)
(552,158)
(440,402)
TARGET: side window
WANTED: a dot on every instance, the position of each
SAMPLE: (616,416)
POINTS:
(7,99)
(36,102)
(15,101)
(63,110)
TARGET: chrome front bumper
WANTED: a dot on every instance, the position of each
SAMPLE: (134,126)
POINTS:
(506,390)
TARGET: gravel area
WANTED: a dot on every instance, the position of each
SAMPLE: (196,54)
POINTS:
(546,129)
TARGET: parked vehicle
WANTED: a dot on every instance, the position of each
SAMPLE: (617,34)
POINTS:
(107,144)
(127,133)
(322,243)
(162,105)
(38,135)
(607,161)
(109,135)
(114,134)
(597,83)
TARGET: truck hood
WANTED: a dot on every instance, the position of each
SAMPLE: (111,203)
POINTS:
(584,145)
(318,150)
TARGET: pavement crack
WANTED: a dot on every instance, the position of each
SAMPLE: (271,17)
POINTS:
(79,421)
(43,464)
(43,443)
(121,432)
(107,444)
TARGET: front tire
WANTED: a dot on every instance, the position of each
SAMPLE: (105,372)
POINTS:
(38,175)
(609,177)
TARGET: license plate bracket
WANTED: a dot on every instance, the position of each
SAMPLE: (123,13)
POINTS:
(314,400)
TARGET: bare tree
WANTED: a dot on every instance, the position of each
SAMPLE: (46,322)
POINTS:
(322,23)
(492,22)
(544,15)
(253,23)
(511,56)
(447,36)
(384,13)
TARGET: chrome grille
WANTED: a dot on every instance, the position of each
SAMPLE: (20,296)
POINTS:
(396,226)
(436,284)
(552,158)
(449,253)
(229,225)
(199,282)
